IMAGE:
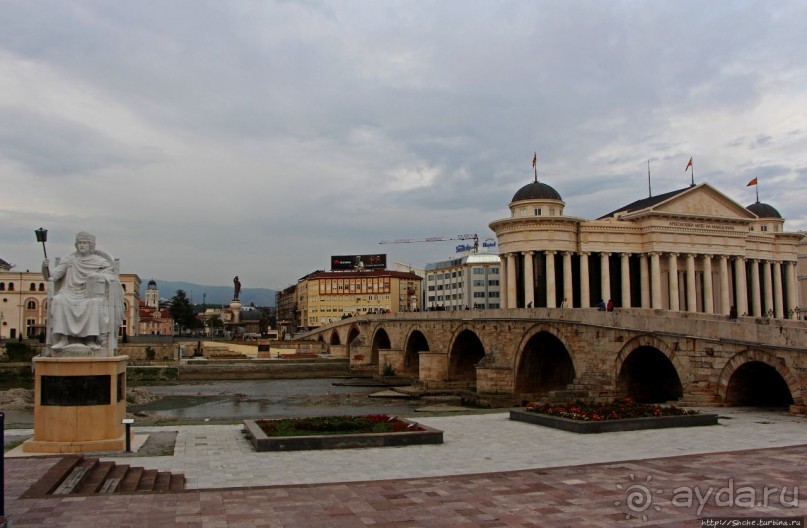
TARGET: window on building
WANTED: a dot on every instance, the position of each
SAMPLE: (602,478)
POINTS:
(495,271)
(30,305)
(494,282)
(537,211)
(763,228)
(479,283)
(32,287)
(524,211)
(2,286)
(493,294)
(41,286)
(479,271)
(479,295)
(776,228)
(10,286)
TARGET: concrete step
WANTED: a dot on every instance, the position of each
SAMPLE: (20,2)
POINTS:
(130,481)
(77,475)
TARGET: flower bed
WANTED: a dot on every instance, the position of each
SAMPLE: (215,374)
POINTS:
(338,432)
(620,415)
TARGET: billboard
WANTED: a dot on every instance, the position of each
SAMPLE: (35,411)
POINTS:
(358,262)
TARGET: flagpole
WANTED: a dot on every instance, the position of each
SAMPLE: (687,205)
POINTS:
(692,171)
(757,189)
(649,190)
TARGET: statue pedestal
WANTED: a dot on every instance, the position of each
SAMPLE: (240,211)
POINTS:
(235,309)
(79,405)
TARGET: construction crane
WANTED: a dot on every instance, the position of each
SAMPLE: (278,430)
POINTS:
(473,237)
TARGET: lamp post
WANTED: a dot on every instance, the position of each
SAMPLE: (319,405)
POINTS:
(2,320)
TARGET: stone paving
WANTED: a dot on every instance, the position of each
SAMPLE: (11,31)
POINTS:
(490,472)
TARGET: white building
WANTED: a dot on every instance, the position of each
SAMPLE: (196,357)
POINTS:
(470,281)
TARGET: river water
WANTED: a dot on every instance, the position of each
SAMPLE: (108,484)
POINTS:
(268,399)
(274,398)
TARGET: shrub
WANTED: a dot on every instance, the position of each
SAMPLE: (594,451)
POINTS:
(150,353)
(389,370)
(17,351)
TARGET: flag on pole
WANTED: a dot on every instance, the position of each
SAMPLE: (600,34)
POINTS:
(752,182)
(688,165)
(534,159)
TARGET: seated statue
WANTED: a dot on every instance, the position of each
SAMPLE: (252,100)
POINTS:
(85,308)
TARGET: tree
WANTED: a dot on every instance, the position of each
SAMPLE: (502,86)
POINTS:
(182,310)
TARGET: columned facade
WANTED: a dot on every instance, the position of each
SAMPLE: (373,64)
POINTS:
(691,250)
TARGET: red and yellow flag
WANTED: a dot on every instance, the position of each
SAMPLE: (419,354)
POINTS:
(534,159)
(752,183)
(688,165)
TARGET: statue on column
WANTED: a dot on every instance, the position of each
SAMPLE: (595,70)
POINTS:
(237,288)
(85,301)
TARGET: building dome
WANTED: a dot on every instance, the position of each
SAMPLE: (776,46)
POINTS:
(536,191)
(764,210)
(152,285)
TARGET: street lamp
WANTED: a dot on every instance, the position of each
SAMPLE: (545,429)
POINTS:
(2,320)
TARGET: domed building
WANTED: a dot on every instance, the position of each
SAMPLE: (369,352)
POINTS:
(693,249)
(152,295)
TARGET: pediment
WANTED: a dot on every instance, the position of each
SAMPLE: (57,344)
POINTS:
(702,201)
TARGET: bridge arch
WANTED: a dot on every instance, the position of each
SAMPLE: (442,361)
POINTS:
(464,353)
(334,340)
(415,343)
(757,378)
(543,362)
(354,338)
(381,340)
(648,371)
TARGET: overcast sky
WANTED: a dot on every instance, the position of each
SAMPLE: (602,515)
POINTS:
(205,139)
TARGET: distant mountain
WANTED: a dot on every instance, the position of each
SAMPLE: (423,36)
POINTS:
(214,295)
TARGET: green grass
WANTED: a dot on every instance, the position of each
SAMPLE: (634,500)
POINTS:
(334,425)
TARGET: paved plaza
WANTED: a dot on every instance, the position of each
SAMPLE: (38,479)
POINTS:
(489,472)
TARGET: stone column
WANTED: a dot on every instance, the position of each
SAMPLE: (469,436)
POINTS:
(625,262)
(585,294)
(568,288)
(672,264)
(511,280)
(778,298)
(725,298)
(756,303)
(550,280)
(708,290)
(792,293)
(529,279)
(655,277)
(502,281)
(767,285)
(692,300)
(741,285)
(644,280)
(605,277)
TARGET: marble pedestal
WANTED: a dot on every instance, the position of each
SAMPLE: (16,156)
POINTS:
(79,405)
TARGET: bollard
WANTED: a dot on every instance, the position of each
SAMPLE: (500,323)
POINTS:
(128,423)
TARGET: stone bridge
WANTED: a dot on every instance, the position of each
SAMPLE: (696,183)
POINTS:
(563,353)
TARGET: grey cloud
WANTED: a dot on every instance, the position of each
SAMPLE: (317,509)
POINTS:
(53,146)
